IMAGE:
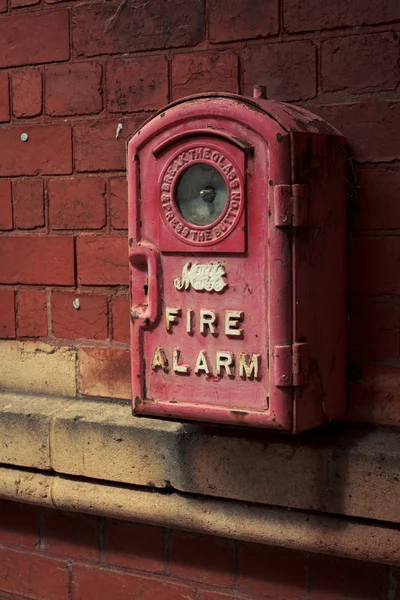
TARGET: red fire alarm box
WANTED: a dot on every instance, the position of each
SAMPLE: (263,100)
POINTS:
(237,261)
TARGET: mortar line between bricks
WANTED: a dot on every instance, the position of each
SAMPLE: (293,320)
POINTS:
(166,547)
(77,371)
(10,99)
(318,68)
(102,540)
(308,575)
(70,580)
(43,80)
(169,77)
(48,292)
(391,584)
(240,74)
(41,529)
(73,344)
(206,21)
(75,250)
(16,312)
(235,563)
(281,19)
(70,36)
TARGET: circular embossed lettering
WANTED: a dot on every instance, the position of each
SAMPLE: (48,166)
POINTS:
(225,190)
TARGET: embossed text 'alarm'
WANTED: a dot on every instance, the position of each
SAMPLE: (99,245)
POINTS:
(237,264)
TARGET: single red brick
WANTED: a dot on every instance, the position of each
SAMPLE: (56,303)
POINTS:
(333,578)
(4,97)
(72,534)
(27,93)
(90,321)
(119,202)
(137,83)
(22,38)
(32,313)
(375,398)
(105,372)
(378,192)
(121,319)
(373,263)
(242,19)
(288,70)
(275,572)
(33,574)
(7,314)
(380,340)
(77,203)
(6,213)
(48,150)
(37,260)
(73,89)
(362,63)
(19,524)
(135,546)
(102,260)
(204,72)
(104,584)
(96,30)
(28,203)
(201,558)
(20,3)
(370,128)
(97,147)
(313,15)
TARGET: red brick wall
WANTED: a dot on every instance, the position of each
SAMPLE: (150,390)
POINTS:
(71,72)
(50,555)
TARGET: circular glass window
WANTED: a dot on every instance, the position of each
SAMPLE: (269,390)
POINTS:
(201,194)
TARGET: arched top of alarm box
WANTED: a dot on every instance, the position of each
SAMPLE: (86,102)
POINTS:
(266,117)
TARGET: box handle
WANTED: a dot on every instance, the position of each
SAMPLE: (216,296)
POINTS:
(145,258)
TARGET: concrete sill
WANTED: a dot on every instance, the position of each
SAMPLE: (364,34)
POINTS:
(95,457)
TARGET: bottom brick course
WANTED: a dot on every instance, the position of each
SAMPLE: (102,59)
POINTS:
(54,555)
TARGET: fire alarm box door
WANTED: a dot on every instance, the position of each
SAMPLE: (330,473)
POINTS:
(237,258)
(200,283)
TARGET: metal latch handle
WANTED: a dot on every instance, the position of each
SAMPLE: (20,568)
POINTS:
(144,254)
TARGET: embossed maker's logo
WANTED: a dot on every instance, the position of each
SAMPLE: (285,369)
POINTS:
(208,277)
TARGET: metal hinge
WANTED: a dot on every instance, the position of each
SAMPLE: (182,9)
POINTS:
(291,365)
(290,205)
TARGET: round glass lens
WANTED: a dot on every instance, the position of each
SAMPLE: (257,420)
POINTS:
(201,194)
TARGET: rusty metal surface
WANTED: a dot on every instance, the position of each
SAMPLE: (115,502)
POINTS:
(208,354)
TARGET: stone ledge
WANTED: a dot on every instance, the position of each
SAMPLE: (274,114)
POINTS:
(347,537)
(341,470)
